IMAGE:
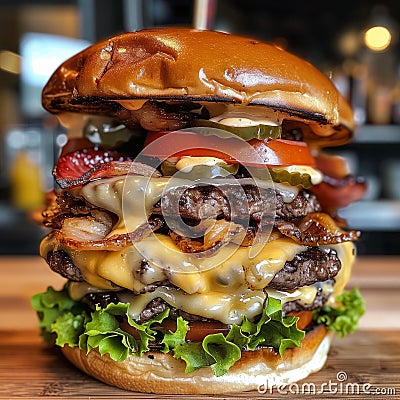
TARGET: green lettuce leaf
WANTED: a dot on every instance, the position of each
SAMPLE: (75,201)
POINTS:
(194,355)
(272,329)
(224,352)
(236,335)
(103,332)
(71,323)
(220,353)
(68,327)
(344,318)
(61,319)
(215,351)
(174,339)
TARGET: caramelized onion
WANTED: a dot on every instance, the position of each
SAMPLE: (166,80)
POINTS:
(214,235)
(112,243)
(194,246)
(67,206)
(86,228)
(225,232)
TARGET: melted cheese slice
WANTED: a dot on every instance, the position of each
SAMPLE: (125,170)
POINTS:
(225,307)
(224,287)
(131,198)
(347,253)
(228,269)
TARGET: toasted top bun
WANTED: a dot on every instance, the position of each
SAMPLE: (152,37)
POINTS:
(178,64)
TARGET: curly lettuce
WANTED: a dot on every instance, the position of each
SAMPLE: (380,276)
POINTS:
(61,319)
(66,322)
(344,317)
(220,352)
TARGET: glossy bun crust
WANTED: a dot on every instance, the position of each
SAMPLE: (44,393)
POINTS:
(161,373)
(178,64)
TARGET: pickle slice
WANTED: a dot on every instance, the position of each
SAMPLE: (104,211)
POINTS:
(199,171)
(278,175)
(168,168)
(293,178)
(106,134)
(245,132)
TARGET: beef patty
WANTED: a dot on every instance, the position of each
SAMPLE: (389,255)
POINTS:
(202,202)
(308,267)
(158,305)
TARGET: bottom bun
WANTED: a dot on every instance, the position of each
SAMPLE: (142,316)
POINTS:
(162,373)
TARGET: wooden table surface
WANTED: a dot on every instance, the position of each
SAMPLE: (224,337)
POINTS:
(363,365)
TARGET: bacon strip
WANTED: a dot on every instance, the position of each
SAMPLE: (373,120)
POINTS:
(316,229)
(335,193)
(67,206)
(81,166)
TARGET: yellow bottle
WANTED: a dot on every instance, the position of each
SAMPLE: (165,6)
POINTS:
(26,183)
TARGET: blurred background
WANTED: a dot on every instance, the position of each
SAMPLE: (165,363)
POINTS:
(355,42)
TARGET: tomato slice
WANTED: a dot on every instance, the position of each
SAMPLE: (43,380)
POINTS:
(197,332)
(198,329)
(233,150)
(283,152)
(305,318)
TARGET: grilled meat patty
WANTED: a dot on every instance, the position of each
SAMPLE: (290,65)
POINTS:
(202,202)
(158,305)
(308,267)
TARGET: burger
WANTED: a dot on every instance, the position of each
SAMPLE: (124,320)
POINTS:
(194,214)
